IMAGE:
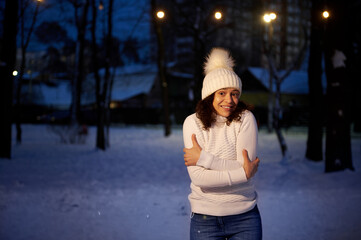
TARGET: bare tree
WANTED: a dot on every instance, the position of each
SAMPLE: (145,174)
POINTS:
(26,31)
(161,69)
(103,83)
(279,71)
(72,133)
(81,21)
(7,64)
(278,78)
(338,110)
(315,127)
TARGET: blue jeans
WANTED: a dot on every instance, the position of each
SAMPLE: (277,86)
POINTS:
(245,226)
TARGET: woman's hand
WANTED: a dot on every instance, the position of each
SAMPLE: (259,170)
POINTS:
(191,155)
(249,167)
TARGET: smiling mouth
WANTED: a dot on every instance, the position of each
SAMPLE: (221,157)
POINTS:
(227,107)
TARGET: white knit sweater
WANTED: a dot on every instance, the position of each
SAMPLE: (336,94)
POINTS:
(219,185)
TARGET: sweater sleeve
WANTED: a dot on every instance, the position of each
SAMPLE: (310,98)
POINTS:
(247,137)
(210,161)
(204,177)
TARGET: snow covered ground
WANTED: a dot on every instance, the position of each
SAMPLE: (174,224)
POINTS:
(138,189)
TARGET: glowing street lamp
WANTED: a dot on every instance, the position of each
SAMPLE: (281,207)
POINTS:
(273,16)
(268,17)
(15,73)
(218,15)
(325,14)
(160,14)
(101,6)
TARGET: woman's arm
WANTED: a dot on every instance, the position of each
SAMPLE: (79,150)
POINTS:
(195,156)
(203,177)
(246,139)
(247,144)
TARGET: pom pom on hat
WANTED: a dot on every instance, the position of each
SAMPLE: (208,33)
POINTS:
(218,58)
(218,69)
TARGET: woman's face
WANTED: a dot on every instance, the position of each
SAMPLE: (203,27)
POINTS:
(225,101)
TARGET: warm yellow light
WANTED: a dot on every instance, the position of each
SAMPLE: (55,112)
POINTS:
(160,14)
(15,73)
(217,15)
(267,18)
(113,105)
(326,14)
(101,6)
(273,16)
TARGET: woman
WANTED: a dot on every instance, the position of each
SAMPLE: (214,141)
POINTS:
(220,139)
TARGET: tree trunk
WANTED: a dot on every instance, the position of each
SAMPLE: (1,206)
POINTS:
(283,144)
(79,68)
(7,64)
(338,139)
(108,81)
(314,150)
(277,121)
(270,103)
(107,112)
(18,103)
(100,143)
(25,40)
(199,54)
(103,85)
(162,71)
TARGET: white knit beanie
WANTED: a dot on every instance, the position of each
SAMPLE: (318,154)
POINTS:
(218,69)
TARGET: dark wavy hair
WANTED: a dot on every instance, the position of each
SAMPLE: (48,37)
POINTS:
(207,114)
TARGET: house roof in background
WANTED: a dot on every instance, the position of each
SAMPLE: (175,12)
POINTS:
(296,82)
(55,96)
(129,81)
(133,80)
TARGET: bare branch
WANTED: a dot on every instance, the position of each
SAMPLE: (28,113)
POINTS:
(299,57)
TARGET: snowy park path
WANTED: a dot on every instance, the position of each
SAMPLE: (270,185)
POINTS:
(138,189)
